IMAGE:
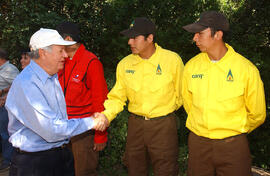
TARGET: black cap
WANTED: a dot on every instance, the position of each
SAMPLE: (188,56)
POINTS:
(25,50)
(69,29)
(140,26)
(210,19)
(3,54)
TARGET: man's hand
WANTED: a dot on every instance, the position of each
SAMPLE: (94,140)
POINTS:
(3,101)
(99,146)
(100,121)
(3,96)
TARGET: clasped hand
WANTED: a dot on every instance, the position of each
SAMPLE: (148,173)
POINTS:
(100,121)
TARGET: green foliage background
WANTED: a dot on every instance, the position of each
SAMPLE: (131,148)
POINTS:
(102,20)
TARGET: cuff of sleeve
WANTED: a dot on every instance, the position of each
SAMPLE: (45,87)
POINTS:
(107,114)
(101,137)
(89,122)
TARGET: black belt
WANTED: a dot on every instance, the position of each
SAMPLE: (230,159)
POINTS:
(147,118)
(43,151)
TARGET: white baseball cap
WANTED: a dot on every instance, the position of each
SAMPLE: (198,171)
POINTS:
(46,37)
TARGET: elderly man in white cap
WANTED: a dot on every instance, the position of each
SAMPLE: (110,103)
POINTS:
(38,124)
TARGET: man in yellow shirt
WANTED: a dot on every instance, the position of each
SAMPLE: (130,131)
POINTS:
(224,98)
(150,80)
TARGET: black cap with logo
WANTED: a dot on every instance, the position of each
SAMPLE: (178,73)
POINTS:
(69,28)
(210,19)
(140,26)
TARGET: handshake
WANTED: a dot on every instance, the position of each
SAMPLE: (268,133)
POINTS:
(100,121)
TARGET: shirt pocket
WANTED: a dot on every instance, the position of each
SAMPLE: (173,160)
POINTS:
(231,97)
(198,88)
(133,86)
(162,84)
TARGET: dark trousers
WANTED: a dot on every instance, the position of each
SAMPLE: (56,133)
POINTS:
(85,158)
(219,157)
(7,148)
(152,142)
(58,162)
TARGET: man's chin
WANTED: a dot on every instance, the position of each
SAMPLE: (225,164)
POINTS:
(61,66)
(134,51)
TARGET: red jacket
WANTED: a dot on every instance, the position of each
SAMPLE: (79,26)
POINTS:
(84,87)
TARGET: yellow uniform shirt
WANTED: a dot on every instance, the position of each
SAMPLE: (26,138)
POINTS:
(223,98)
(151,86)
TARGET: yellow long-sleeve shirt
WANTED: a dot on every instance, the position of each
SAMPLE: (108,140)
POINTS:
(151,86)
(223,98)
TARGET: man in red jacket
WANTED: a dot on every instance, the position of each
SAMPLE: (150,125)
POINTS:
(85,90)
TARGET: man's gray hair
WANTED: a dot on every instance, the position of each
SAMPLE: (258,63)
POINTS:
(35,55)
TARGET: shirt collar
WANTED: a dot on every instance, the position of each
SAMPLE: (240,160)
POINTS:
(78,54)
(40,73)
(153,59)
(2,66)
(227,55)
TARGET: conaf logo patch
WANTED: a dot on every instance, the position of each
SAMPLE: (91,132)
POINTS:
(159,71)
(230,76)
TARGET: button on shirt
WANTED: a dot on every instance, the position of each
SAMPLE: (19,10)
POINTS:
(8,72)
(37,112)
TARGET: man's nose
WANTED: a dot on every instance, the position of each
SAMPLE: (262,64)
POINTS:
(130,41)
(195,37)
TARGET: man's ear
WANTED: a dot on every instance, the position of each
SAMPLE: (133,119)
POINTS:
(68,38)
(219,35)
(41,52)
(150,38)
